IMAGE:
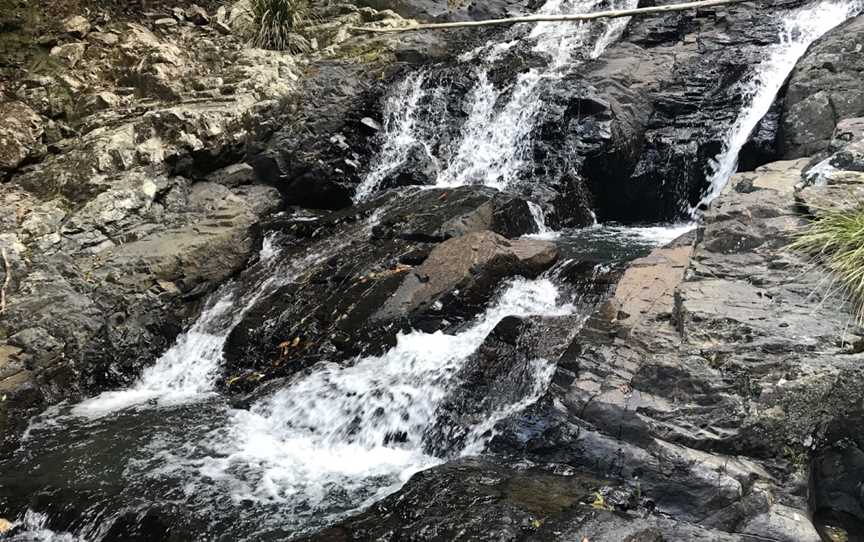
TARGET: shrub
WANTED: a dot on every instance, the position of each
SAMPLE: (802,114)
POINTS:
(835,239)
(273,24)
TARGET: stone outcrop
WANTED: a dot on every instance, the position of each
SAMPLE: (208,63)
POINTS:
(824,89)
(473,265)
(125,194)
(694,398)
(428,260)
(20,135)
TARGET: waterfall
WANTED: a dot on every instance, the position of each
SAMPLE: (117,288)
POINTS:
(493,147)
(800,30)
(539,216)
(360,428)
(337,437)
(190,368)
(401,126)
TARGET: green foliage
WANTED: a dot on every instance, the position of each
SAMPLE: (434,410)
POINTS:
(273,24)
(835,239)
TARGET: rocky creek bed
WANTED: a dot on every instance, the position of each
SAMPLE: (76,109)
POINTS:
(503,285)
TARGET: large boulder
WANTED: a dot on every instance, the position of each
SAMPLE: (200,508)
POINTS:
(399,262)
(469,267)
(824,88)
(20,135)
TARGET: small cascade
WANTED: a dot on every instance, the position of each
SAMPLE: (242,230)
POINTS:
(360,428)
(401,127)
(799,31)
(495,140)
(189,369)
(493,145)
(543,231)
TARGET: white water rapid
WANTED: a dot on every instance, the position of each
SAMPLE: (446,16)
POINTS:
(189,369)
(493,145)
(800,30)
(360,428)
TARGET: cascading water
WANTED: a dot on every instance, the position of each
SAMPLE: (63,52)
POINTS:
(400,125)
(336,438)
(493,147)
(331,441)
(339,437)
(358,430)
(189,369)
(799,31)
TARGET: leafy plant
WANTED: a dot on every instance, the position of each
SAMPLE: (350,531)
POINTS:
(835,239)
(273,24)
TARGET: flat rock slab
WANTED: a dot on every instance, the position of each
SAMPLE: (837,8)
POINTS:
(472,265)
(647,288)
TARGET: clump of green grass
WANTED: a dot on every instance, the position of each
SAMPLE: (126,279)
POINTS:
(273,24)
(835,239)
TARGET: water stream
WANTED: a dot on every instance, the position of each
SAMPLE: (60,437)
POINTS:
(336,438)
(493,144)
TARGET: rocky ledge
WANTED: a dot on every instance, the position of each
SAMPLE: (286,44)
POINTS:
(710,397)
(715,395)
(125,194)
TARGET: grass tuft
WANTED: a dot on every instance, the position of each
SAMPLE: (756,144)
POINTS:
(835,239)
(273,24)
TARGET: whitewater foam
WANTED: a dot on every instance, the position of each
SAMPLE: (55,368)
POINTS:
(361,426)
(493,145)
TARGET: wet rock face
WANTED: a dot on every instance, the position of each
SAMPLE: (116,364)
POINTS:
(473,265)
(474,499)
(713,392)
(326,135)
(315,159)
(620,136)
(836,474)
(428,259)
(823,89)
(509,367)
(663,63)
